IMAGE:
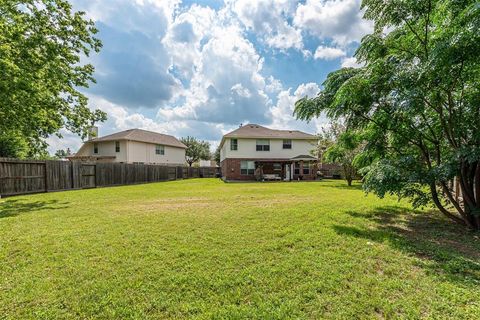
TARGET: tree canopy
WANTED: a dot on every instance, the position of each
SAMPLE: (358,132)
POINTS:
(417,102)
(196,150)
(42,43)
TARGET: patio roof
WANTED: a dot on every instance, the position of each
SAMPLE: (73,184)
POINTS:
(304,157)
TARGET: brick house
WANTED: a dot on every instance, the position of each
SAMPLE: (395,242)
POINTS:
(281,154)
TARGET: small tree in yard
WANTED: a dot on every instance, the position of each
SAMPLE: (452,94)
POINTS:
(416,100)
(344,152)
(196,150)
(337,145)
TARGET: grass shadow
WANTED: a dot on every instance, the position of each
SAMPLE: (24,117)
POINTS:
(443,247)
(12,208)
(355,186)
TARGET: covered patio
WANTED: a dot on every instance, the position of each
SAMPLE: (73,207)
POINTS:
(301,167)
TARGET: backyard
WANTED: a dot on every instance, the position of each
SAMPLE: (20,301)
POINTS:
(202,248)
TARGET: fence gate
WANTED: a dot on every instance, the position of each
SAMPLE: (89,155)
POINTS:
(88,175)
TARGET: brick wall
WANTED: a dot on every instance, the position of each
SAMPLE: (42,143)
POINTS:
(231,170)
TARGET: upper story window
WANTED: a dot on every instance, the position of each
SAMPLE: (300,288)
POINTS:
(263,145)
(117,146)
(160,149)
(95,148)
(234,144)
(287,144)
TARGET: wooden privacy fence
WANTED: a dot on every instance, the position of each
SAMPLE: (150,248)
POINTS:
(30,176)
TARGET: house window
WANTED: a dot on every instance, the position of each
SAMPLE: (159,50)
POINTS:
(234,144)
(247,168)
(160,149)
(277,167)
(263,145)
(117,146)
(306,168)
(296,169)
(287,144)
(95,148)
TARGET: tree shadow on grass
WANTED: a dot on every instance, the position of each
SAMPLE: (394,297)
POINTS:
(355,186)
(443,247)
(12,208)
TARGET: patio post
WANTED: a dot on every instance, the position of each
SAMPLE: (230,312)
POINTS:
(301,169)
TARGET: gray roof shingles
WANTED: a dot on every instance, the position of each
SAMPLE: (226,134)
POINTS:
(142,136)
(257,131)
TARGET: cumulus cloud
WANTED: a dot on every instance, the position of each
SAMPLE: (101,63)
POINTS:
(339,20)
(351,62)
(282,112)
(269,19)
(328,53)
(225,80)
(132,68)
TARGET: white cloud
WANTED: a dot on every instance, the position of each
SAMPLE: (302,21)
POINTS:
(282,112)
(351,62)
(273,85)
(268,18)
(328,53)
(340,20)
(225,83)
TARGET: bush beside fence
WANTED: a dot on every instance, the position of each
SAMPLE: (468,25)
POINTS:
(30,176)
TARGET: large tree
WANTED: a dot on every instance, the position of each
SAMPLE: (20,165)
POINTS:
(417,100)
(196,150)
(42,43)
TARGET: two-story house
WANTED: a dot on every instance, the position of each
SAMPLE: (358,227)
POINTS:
(133,146)
(283,154)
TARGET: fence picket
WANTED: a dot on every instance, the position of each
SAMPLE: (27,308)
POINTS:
(34,176)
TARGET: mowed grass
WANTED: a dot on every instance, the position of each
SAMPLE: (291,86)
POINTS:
(205,249)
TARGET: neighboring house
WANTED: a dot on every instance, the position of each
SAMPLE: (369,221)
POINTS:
(207,163)
(281,154)
(133,146)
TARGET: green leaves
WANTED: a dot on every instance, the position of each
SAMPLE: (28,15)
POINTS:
(196,150)
(41,43)
(416,101)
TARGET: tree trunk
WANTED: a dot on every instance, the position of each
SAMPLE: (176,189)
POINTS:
(469,181)
(438,203)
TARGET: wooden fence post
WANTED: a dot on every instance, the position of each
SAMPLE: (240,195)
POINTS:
(45,175)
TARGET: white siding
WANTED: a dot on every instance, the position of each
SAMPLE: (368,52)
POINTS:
(247,149)
(145,152)
(133,151)
(106,148)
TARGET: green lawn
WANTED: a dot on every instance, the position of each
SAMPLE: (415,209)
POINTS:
(205,249)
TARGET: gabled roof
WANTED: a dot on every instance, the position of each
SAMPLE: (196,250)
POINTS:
(257,131)
(142,136)
(305,157)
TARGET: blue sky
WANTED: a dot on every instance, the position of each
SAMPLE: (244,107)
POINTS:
(201,68)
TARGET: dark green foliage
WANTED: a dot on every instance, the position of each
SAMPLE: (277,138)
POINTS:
(216,155)
(416,102)
(12,146)
(196,150)
(337,145)
(41,45)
